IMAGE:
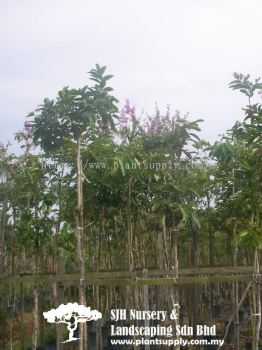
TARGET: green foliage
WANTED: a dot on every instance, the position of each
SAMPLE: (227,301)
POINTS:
(245,85)
(75,113)
(156,176)
(251,238)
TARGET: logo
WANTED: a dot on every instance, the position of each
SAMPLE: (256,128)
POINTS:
(71,314)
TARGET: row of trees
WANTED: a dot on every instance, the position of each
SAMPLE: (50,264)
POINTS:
(99,189)
(116,180)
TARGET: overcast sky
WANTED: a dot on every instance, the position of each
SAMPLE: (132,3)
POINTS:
(177,52)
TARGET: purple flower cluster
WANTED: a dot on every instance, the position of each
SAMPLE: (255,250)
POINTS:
(158,123)
(27,134)
(126,112)
(153,126)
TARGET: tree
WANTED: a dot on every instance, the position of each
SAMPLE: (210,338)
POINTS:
(249,134)
(71,314)
(76,116)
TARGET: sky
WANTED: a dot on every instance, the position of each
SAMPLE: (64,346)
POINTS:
(180,53)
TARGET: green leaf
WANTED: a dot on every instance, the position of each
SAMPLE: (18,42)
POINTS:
(195,219)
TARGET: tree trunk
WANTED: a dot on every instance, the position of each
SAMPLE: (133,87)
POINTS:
(161,253)
(79,238)
(174,250)
(210,235)
(58,298)
(129,229)
(35,318)
(145,303)
(256,303)
(3,221)
(174,262)
(22,337)
(236,289)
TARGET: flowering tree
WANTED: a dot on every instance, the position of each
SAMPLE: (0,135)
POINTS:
(71,314)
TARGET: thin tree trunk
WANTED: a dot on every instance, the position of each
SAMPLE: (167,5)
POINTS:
(79,238)
(41,320)
(160,249)
(236,310)
(256,303)
(210,235)
(145,303)
(174,262)
(58,296)
(12,318)
(35,313)
(3,221)
(22,338)
(58,289)
(236,289)
(129,229)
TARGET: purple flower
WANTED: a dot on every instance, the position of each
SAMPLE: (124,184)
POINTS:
(127,109)
(123,120)
(123,117)
(27,127)
(132,110)
(125,113)
(27,134)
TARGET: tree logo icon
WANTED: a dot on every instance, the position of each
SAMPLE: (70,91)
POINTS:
(71,314)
